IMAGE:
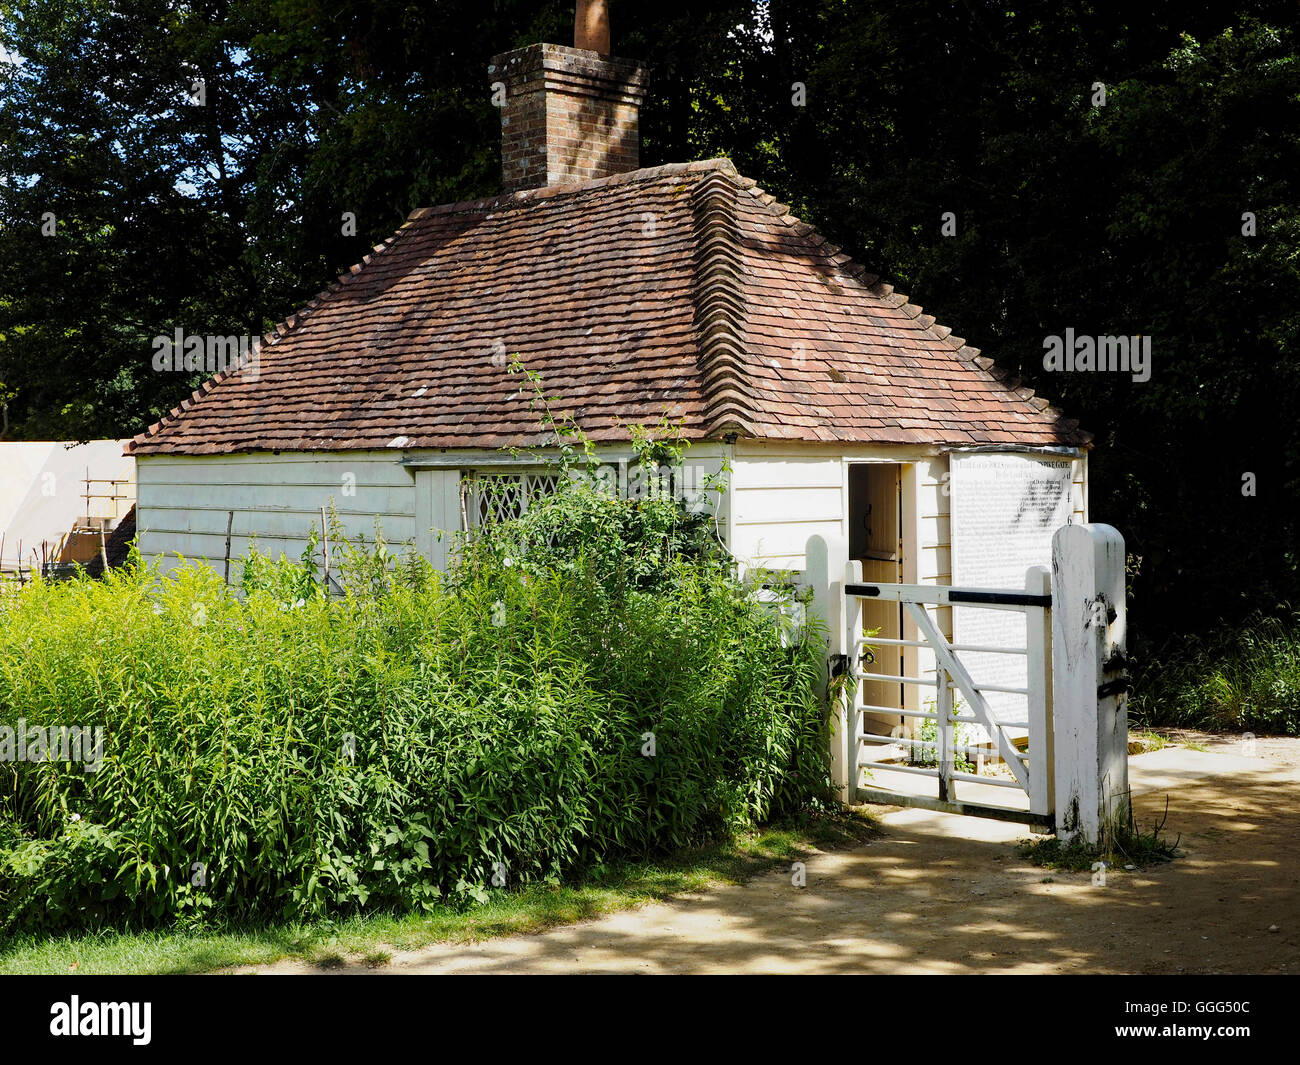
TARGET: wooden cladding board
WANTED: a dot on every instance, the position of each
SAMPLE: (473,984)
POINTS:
(779,500)
(185,502)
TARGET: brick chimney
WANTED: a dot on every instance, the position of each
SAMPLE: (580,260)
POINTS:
(570,114)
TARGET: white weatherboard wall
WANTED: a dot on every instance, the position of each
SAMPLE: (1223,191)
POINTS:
(184,501)
(779,499)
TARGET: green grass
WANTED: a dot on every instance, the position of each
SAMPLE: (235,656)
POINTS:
(1151,741)
(1246,679)
(372,940)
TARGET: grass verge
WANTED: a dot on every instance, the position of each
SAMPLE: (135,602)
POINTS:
(373,939)
(1245,678)
(1149,741)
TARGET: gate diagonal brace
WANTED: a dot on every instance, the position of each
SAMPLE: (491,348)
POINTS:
(948,661)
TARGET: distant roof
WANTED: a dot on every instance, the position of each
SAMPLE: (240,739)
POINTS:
(680,290)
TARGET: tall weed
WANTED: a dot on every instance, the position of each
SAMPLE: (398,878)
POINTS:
(274,751)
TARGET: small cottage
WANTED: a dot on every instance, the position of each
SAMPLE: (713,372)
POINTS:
(681,291)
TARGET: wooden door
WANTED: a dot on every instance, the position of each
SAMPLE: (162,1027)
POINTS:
(876,540)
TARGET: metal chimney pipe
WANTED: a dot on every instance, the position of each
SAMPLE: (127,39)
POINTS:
(591,26)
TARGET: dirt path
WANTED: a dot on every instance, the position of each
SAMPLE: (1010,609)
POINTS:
(944,894)
(1284,749)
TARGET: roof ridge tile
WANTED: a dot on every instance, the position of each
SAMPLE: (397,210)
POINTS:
(720,309)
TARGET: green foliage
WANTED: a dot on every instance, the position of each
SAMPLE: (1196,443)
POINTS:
(1124,218)
(150,195)
(69,879)
(286,753)
(633,536)
(1245,678)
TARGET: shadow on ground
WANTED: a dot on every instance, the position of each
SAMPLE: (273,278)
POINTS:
(945,894)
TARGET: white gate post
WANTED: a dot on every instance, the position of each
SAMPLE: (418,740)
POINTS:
(1088,695)
(1038,645)
(944,752)
(827,560)
(853,628)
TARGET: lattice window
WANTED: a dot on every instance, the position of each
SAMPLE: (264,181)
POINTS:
(488,497)
(540,484)
(496,499)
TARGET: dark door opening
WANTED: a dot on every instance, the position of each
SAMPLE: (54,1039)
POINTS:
(876,540)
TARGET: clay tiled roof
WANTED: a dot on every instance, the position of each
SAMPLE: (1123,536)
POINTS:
(682,290)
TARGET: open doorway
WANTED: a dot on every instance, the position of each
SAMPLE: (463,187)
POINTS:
(876,540)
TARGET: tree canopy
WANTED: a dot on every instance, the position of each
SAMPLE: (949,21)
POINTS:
(1018,168)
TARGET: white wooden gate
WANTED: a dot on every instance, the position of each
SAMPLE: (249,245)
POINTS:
(1072,775)
(1030,767)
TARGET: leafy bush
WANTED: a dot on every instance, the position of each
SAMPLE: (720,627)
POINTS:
(69,879)
(1247,678)
(420,738)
